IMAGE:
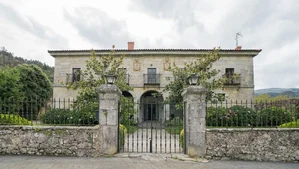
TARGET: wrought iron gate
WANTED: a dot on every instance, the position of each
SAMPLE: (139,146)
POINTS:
(151,128)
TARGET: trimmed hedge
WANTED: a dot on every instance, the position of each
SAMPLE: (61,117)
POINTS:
(13,119)
(68,117)
(274,116)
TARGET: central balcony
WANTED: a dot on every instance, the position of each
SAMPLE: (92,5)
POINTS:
(151,79)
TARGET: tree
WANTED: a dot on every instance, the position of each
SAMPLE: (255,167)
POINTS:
(201,67)
(94,76)
(35,83)
(9,90)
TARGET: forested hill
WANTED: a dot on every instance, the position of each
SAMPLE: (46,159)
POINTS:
(290,92)
(8,59)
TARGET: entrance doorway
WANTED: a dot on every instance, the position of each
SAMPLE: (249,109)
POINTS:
(151,107)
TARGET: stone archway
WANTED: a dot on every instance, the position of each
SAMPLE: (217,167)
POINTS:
(151,106)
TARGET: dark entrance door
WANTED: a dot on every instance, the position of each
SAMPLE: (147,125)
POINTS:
(151,112)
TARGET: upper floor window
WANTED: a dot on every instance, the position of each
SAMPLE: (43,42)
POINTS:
(229,72)
(123,70)
(126,75)
(151,77)
(232,77)
(76,75)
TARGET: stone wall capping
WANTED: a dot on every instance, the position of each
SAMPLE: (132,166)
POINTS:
(225,130)
(49,127)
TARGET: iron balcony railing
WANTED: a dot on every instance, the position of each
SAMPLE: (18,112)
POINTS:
(70,77)
(232,79)
(153,79)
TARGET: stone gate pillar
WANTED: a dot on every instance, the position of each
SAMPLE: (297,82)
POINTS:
(108,118)
(195,120)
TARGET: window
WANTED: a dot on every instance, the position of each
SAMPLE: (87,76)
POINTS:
(229,72)
(76,74)
(126,76)
(151,77)
(123,70)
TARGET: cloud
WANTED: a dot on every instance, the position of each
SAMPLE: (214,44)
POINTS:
(97,27)
(271,25)
(30,25)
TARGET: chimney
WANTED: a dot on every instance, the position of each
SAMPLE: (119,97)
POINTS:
(130,45)
(238,48)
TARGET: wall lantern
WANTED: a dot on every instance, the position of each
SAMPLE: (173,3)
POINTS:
(110,79)
(193,79)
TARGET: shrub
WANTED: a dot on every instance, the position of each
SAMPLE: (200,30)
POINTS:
(241,116)
(122,135)
(13,119)
(215,116)
(293,124)
(182,138)
(274,116)
(69,117)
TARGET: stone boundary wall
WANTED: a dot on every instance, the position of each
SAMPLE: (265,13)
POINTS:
(253,144)
(50,140)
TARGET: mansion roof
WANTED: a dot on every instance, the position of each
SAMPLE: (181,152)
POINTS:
(247,52)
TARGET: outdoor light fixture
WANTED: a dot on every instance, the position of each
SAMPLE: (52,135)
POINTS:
(110,79)
(193,79)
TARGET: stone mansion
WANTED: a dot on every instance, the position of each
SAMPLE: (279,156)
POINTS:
(147,69)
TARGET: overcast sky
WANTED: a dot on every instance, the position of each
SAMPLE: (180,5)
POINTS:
(29,28)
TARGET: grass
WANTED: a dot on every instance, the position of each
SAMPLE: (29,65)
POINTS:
(293,124)
(174,129)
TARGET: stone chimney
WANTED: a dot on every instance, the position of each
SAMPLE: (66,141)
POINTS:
(130,45)
(238,48)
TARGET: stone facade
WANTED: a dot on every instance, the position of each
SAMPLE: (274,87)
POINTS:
(58,141)
(253,144)
(138,62)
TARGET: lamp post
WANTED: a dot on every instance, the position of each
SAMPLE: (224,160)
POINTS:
(110,79)
(193,79)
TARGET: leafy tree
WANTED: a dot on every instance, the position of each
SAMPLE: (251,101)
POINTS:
(9,90)
(35,83)
(201,67)
(94,76)
(35,87)
(8,59)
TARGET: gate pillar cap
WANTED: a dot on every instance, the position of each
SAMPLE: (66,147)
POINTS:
(108,88)
(194,90)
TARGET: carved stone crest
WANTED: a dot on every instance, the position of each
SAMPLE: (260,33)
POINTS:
(166,63)
(136,64)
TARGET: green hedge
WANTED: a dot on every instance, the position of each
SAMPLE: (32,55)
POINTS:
(68,117)
(241,116)
(274,116)
(13,119)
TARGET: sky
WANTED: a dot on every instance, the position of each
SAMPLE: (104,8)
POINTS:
(29,28)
